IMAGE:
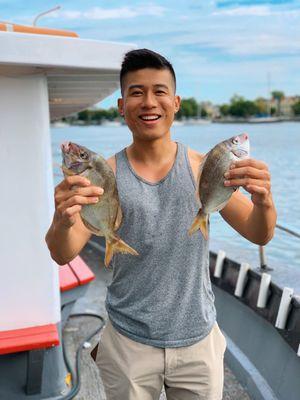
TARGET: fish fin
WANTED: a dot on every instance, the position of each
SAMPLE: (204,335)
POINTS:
(118,218)
(116,245)
(200,222)
(91,228)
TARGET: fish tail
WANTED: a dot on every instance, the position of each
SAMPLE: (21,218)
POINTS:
(116,245)
(200,222)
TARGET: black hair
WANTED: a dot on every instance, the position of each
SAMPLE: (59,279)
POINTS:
(144,58)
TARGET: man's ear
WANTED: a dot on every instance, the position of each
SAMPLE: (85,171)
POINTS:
(177,103)
(120,107)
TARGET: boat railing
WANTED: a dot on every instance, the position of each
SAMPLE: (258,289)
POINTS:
(262,256)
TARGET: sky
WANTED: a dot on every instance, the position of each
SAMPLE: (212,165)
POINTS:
(218,47)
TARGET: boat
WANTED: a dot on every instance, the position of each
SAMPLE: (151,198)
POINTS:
(64,74)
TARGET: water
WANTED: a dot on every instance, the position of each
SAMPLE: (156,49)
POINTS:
(276,144)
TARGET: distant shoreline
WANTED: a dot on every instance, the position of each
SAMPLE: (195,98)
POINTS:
(116,123)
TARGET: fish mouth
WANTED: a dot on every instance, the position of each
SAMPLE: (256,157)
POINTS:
(240,153)
(67,147)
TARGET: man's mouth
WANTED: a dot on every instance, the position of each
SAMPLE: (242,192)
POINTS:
(150,117)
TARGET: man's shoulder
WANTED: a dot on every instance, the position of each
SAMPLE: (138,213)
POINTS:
(195,156)
(111,161)
(195,159)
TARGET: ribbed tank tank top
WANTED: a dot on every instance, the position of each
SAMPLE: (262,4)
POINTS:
(162,297)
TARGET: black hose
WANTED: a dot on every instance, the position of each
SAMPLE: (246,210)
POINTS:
(76,378)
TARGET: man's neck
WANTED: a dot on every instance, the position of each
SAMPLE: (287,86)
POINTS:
(152,152)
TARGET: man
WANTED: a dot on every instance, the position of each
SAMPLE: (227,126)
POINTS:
(162,326)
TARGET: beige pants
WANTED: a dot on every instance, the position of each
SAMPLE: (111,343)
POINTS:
(135,371)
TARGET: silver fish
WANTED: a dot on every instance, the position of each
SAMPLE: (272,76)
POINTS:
(104,217)
(212,192)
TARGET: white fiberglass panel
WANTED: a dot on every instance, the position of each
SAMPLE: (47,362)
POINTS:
(29,290)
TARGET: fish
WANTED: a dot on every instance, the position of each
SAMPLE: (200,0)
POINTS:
(104,217)
(213,195)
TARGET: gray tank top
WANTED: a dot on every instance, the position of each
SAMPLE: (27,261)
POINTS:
(162,297)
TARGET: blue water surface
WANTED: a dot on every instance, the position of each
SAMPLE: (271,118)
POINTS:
(278,144)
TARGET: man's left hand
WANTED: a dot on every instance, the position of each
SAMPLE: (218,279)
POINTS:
(254,177)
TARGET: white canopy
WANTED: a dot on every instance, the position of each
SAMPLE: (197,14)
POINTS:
(79,72)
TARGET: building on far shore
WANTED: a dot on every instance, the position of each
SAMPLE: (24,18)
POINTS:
(284,108)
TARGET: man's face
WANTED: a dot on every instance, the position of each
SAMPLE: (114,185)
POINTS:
(149,102)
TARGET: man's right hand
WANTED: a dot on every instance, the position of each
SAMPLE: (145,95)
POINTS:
(70,195)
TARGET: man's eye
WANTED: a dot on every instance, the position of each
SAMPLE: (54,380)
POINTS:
(136,93)
(160,92)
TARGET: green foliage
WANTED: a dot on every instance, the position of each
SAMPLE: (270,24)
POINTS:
(262,106)
(188,108)
(203,113)
(296,108)
(239,107)
(98,116)
(224,110)
(277,95)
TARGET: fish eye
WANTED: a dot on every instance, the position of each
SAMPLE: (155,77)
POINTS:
(235,141)
(83,155)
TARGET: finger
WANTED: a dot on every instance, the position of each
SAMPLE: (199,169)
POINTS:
(72,180)
(76,200)
(253,189)
(246,182)
(250,172)
(251,162)
(71,211)
(90,191)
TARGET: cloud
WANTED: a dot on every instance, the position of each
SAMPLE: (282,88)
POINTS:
(257,11)
(98,13)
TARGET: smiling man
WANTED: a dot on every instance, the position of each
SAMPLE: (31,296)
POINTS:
(162,327)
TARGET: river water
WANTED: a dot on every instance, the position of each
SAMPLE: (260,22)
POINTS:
(277,144)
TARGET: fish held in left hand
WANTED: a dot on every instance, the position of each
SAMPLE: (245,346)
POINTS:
(212,192)
(104,217)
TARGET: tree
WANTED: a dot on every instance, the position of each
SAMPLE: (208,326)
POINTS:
(262,106)
(296,108)
(278,96)
(242,108)
(224,110)
(188,108)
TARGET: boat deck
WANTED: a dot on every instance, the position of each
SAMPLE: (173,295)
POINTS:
(78,328)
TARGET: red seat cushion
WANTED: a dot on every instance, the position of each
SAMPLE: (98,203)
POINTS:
(67,279)
(37,337)
(81,270)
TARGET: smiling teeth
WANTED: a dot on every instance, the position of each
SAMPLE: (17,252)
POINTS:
(150,118)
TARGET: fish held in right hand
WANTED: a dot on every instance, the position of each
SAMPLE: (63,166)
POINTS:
(212,192)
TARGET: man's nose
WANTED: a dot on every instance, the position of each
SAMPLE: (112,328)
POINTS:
(149,100)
